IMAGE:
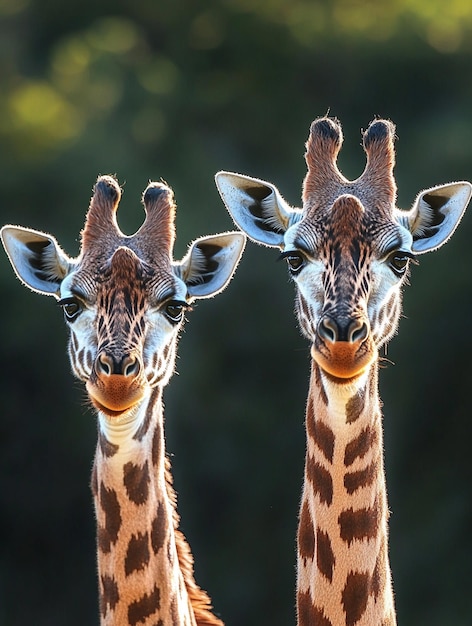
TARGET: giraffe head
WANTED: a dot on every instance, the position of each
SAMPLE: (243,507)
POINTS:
(124,297)
(349,247)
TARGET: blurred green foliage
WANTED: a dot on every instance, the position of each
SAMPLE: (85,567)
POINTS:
(179,89)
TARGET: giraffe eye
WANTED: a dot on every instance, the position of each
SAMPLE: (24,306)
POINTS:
(71,307)
(295,261)
(175,310)
(398,262)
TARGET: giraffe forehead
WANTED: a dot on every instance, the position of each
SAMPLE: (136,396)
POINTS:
(347,226)
(124,275)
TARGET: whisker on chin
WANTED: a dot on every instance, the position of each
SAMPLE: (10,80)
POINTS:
(385,362)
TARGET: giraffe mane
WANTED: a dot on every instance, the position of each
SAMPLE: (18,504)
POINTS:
(198,598)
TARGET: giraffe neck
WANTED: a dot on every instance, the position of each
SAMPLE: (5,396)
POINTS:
(145,568)
(343,568)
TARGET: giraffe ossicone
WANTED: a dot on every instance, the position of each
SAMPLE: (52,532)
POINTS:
(348,250)
(124,299)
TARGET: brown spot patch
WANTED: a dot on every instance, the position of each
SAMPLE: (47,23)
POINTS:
(358,447)
(142,430)
(109,595)
(378,576)
(358,525)
(355,406)
(308,613)
(165,352)
(140,610)
(323,437)
(310,413)
(108,533)
(363,478)
(174,613)
(306,533)
(319,385)
(137,554)
(321,480)
(158,529)
(355,596)
(80,356)
(94,480)
(108,449)
(324,554)
(136,480)
(157,441)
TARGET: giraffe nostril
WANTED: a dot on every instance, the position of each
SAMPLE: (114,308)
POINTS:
(130,366)
(104,364)
(357,331)
(328,329)
(107,365)
(350,330)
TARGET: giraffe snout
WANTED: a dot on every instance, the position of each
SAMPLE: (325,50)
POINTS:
(343,346)
(117,383)
(352,330)
(108,364)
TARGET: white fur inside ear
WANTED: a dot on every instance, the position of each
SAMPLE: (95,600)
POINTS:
(195,270)
(422,220)
(270,216)
(53,266)
(256,207)
(436,214)
(210,263)
(37,258)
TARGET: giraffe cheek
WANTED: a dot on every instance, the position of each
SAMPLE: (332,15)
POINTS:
(115,396)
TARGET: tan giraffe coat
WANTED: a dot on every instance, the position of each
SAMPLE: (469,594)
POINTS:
(348,250)
(124,299)
(137,529)
(342,535)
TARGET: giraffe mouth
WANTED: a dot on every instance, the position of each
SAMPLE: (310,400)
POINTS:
(114,413)
(116,397)
(344,361)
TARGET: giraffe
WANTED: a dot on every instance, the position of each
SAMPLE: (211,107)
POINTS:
(124,299)
(348,250)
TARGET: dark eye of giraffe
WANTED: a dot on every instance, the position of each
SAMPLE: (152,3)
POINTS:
(398,262)
(295,261)
(174,310)
(71,307)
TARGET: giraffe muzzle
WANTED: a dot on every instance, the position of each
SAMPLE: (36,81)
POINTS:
(343,347)
(351,330)
(117,384)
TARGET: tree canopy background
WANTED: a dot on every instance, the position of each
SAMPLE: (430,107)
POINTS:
(179,90)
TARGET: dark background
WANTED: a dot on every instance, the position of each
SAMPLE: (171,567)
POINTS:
(179,89)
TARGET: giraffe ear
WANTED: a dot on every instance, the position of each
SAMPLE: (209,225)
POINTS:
(210,263)
(436,215)
(38,260)
(256,207)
